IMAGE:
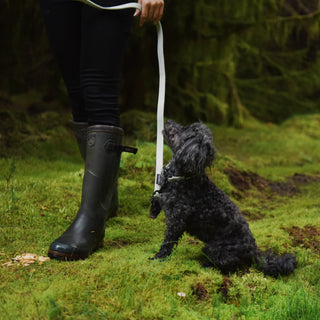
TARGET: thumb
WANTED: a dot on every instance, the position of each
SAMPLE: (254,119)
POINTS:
(137,13)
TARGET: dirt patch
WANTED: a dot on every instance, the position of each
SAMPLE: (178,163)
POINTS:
(308,237)
(284,189)
(244,181)
(302,179)
(200,291)
(225,287)
(252,216)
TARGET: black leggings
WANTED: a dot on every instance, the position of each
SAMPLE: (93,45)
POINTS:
(89,45)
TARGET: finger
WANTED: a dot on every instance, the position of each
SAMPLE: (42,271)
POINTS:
(158,14)
(151,14)
(151,11)
(144,13)
(161,11)
(154,14)
(137,13)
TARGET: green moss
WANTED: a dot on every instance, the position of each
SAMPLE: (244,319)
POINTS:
(40,196)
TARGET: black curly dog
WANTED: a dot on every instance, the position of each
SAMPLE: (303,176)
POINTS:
(192,203)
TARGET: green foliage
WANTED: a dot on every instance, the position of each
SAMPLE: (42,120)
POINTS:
(225,60)
(141,124)
(39,134)
(229,59)
(40,194)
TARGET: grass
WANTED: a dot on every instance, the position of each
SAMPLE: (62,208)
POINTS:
(40,193)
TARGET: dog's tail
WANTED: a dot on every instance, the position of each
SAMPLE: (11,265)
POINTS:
(275,265)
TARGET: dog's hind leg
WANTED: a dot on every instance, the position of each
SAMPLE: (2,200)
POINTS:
(218,259)
(228,258)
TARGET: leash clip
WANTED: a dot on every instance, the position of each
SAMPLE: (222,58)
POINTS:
(156,194)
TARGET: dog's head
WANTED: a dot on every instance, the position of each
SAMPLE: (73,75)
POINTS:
(192,146)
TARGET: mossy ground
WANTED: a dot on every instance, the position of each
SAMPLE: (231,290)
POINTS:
(40,189)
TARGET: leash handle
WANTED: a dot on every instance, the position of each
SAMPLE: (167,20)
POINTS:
(129,5)
(162,84)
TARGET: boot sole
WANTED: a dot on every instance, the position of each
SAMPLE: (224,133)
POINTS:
(62,256)
(65,256)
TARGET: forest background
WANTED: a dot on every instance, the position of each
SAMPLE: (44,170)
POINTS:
(225,61)
(250,70)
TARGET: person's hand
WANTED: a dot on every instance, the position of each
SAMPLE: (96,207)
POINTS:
(151,11)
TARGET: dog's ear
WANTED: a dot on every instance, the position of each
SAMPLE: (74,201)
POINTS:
(196,152)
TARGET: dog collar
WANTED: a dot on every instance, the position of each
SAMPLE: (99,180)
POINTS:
(178,178)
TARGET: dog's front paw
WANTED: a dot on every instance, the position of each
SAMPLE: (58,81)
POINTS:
(155,207)
(153,214)
(156,257)
(153,258)
(159,256)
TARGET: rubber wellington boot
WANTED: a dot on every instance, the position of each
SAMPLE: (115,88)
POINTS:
(86,233)
(80,132)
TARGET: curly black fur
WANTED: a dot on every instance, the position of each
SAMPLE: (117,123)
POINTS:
(192,203)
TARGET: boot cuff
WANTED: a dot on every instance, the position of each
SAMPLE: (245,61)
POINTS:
(105,128)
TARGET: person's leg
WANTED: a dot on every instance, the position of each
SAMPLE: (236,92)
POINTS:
(62,19)
(104,39)
(89,46)
(103,42)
